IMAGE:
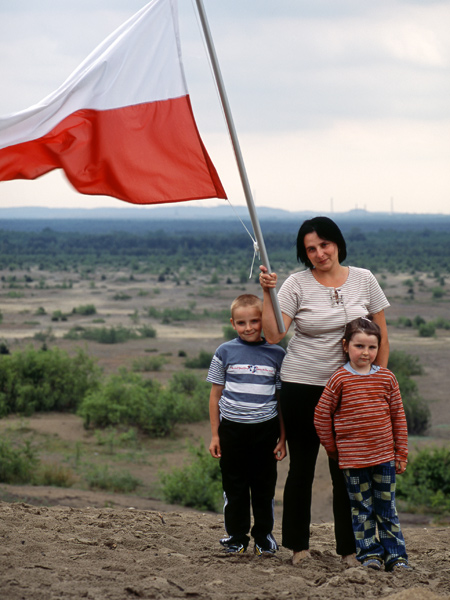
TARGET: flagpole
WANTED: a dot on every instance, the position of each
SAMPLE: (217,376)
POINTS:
(240,161)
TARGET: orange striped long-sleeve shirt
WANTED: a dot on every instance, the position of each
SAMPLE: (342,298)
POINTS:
(361,417)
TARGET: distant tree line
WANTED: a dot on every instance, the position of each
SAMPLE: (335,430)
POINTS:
(384,250)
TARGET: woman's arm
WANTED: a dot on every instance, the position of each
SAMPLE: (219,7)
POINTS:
(269,321)
(383,351)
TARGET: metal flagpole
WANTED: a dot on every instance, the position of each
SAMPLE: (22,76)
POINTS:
(239,159)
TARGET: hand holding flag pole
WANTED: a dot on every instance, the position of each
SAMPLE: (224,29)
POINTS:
(239,159)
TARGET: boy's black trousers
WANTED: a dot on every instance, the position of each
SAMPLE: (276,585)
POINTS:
(249,475)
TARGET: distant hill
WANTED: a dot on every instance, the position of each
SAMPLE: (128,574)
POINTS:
(179,217)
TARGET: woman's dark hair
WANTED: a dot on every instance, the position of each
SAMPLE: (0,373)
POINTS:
(325,229)
(362,325)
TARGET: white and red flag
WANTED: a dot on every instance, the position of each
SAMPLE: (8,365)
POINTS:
(122,124)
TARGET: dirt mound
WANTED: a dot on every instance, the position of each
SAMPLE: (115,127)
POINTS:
(59,552)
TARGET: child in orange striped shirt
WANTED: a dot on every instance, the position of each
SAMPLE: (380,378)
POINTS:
(361,423)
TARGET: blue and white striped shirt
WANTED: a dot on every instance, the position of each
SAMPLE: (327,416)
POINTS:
(250,374)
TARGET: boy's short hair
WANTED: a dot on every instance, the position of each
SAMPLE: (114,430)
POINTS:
(246,300)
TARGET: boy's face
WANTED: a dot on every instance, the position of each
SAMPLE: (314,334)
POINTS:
(247,321)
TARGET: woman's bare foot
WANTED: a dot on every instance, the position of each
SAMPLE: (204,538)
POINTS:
(299,556)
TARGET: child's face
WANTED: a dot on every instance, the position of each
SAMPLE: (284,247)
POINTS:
(247,321)
(362,351)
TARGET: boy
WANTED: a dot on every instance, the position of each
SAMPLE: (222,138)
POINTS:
(247,430)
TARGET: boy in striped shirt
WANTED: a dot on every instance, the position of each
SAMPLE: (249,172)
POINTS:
(361,423)
(247,432)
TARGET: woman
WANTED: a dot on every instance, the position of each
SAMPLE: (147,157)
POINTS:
(319,301)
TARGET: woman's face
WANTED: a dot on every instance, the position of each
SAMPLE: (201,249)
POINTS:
(323,254)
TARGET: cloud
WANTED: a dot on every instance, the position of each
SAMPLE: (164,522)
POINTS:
(345,99)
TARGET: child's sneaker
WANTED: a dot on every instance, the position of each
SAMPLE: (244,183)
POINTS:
(400,565)
(231,547)
(372,563)
(260,551)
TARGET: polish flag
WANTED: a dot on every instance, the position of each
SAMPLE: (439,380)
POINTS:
(122,124)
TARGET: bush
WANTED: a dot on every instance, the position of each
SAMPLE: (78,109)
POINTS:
(131,401)
(229,333)
(402,363)
(57,475)
(404,322)
(203,361)
(438,292)
(43,380)
(85,309)
(193,396)
(425,485)
(147,331)
(417,411)
(122,482)
(426,330)
(197,485)
(417,321)
(441,323)
(102,335)
(17,465)
(149,363)
(127,399)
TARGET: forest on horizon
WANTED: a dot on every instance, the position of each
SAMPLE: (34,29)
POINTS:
(153,246)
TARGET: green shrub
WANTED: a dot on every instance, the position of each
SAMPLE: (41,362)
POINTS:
(402,363)
(147,331)
(85,309)
(129,400)
(417,412)
(102,335)
(121,296)
(229,333)
(173,314)
(441,323)
(437,292)
(121,482)
(404,322)
(425,485)
(193,396)
(426,330)
(44,336)
(149,363)
(203,361)
(417,321)
(57,475)
(17,465)
(43,380)
(197,485)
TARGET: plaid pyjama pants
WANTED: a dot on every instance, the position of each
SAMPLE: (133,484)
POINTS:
(372,498)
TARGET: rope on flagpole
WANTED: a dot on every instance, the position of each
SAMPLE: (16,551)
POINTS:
(239,159)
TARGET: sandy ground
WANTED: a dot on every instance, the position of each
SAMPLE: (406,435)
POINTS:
(64,543)
(103,553)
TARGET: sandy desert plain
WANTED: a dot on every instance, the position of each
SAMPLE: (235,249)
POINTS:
(77,543)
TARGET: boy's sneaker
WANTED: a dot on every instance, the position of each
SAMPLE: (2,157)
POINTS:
(260,551)
(231,547)
(372,563)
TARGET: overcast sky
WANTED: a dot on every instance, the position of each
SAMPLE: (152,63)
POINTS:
(338,104)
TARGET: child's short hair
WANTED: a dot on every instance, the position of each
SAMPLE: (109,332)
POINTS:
(246,300)
(362,325)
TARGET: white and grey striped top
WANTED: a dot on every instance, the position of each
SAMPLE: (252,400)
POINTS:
(319,316)
(250,374)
